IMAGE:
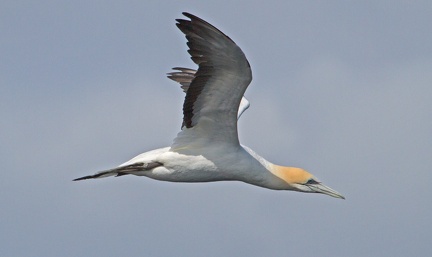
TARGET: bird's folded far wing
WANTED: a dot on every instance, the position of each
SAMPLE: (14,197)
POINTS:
(184,76)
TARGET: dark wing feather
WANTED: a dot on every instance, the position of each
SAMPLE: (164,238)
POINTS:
(223,75)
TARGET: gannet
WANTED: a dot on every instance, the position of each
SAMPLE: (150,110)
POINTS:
(207,148)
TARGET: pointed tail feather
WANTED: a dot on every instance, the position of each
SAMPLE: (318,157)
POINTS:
(123,170)
(101,174)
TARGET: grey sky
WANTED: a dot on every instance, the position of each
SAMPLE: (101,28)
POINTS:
(340,88)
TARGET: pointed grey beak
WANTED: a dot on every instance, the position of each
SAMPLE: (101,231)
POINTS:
(322,189)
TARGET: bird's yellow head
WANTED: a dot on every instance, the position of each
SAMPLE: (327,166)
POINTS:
(300,180)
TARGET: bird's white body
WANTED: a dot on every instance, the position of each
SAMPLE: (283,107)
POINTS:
(218,164)
(207,148)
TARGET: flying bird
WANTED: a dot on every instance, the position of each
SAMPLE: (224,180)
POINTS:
(207,148)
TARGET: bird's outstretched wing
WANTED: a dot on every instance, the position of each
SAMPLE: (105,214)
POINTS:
(184,77)
(213,97)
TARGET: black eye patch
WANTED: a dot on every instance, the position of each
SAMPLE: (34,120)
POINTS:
(312,181)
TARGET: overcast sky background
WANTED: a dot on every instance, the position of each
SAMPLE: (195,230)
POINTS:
(341,88)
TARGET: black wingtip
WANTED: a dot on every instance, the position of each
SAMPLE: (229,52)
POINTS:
(191,16)
(187,14)
(83,178)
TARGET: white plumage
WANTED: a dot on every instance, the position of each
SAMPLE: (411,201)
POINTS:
(207,148)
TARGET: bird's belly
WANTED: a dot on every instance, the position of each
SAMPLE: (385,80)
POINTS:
(186,176)
(184,168)
(181,174)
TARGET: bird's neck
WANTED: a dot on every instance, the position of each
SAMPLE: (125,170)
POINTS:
(274,176)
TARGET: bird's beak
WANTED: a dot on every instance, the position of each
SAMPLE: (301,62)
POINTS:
(322,189)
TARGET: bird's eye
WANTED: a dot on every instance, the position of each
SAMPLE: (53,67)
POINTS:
(312,181)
